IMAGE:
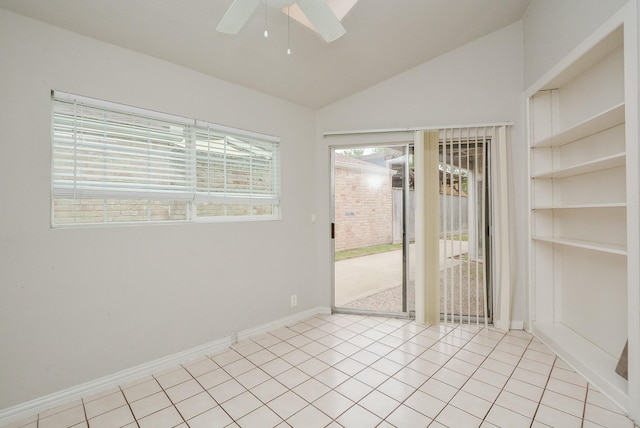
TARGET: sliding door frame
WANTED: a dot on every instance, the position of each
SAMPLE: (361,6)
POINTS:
(407,146)
(497,284)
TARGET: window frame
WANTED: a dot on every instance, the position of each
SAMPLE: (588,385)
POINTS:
(223,200)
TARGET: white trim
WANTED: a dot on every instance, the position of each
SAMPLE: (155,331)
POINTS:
(236,200)
(95,102)
(171,168)
(420,128)
(108,105)
(517,325)
(631,40)
(590,361)
(29,408)
(501,241)
(58,398)
(283,322)
(236,132)
(513,325)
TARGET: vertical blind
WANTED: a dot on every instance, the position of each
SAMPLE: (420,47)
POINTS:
(464,188)
(102,150)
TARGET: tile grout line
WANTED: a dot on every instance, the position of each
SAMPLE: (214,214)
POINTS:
(584,408)
(332,366)
(324,331)
(414,359)
(431,377)
(353,376)
(584,405)
(568,396)
(380,357)
(170,401)
(533,419)
(453,327)
(448,403)
(296,348)
(135,419)
(494,348)
(206,390)
(510,376)
(84,409)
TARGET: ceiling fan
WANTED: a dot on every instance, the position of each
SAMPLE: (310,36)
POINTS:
(317,12)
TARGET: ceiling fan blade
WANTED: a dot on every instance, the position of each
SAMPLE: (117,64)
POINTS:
(322,18)
(237,15)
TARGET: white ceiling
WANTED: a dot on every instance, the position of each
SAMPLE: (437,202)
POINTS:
(384,38)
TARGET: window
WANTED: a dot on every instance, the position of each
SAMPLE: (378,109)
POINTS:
(119,164)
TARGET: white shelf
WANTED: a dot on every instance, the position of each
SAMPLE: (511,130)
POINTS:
(607,162)
(600,122)
(580,137)
(579,206)
(588,245)
(597,366)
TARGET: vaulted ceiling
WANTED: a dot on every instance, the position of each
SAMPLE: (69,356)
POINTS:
(383,39)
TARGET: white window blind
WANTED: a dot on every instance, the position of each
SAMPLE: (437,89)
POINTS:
(114,163)
(233,169)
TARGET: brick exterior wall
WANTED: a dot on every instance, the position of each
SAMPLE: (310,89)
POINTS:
(238,179)
(363,204)
(88,211)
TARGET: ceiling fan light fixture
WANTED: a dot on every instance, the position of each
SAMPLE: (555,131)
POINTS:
(266,28)
(288,32)
(318,13)
(281,4)
(340,9)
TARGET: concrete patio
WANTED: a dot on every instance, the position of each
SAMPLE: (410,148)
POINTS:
(360,277)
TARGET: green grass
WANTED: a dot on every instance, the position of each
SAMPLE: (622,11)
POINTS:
(457,237)
(366,251)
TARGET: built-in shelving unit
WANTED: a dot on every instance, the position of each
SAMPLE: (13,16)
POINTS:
(582,165)
(594,165)
(589,245)
(603,120)
(569,207)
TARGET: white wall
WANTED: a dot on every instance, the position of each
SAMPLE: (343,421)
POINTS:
(478,83)
(552,28)
(79,304)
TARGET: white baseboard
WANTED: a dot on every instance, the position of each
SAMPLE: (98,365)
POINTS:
(517,325)
(24,410)
(513,325)
(282,322)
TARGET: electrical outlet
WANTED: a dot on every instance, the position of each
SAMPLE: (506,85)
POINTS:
(294,300)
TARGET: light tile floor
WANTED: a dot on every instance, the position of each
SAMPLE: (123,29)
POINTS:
(355,371)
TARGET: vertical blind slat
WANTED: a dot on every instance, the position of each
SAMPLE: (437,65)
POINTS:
(463,166)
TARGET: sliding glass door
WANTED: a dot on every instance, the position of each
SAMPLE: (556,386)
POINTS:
(373,229)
